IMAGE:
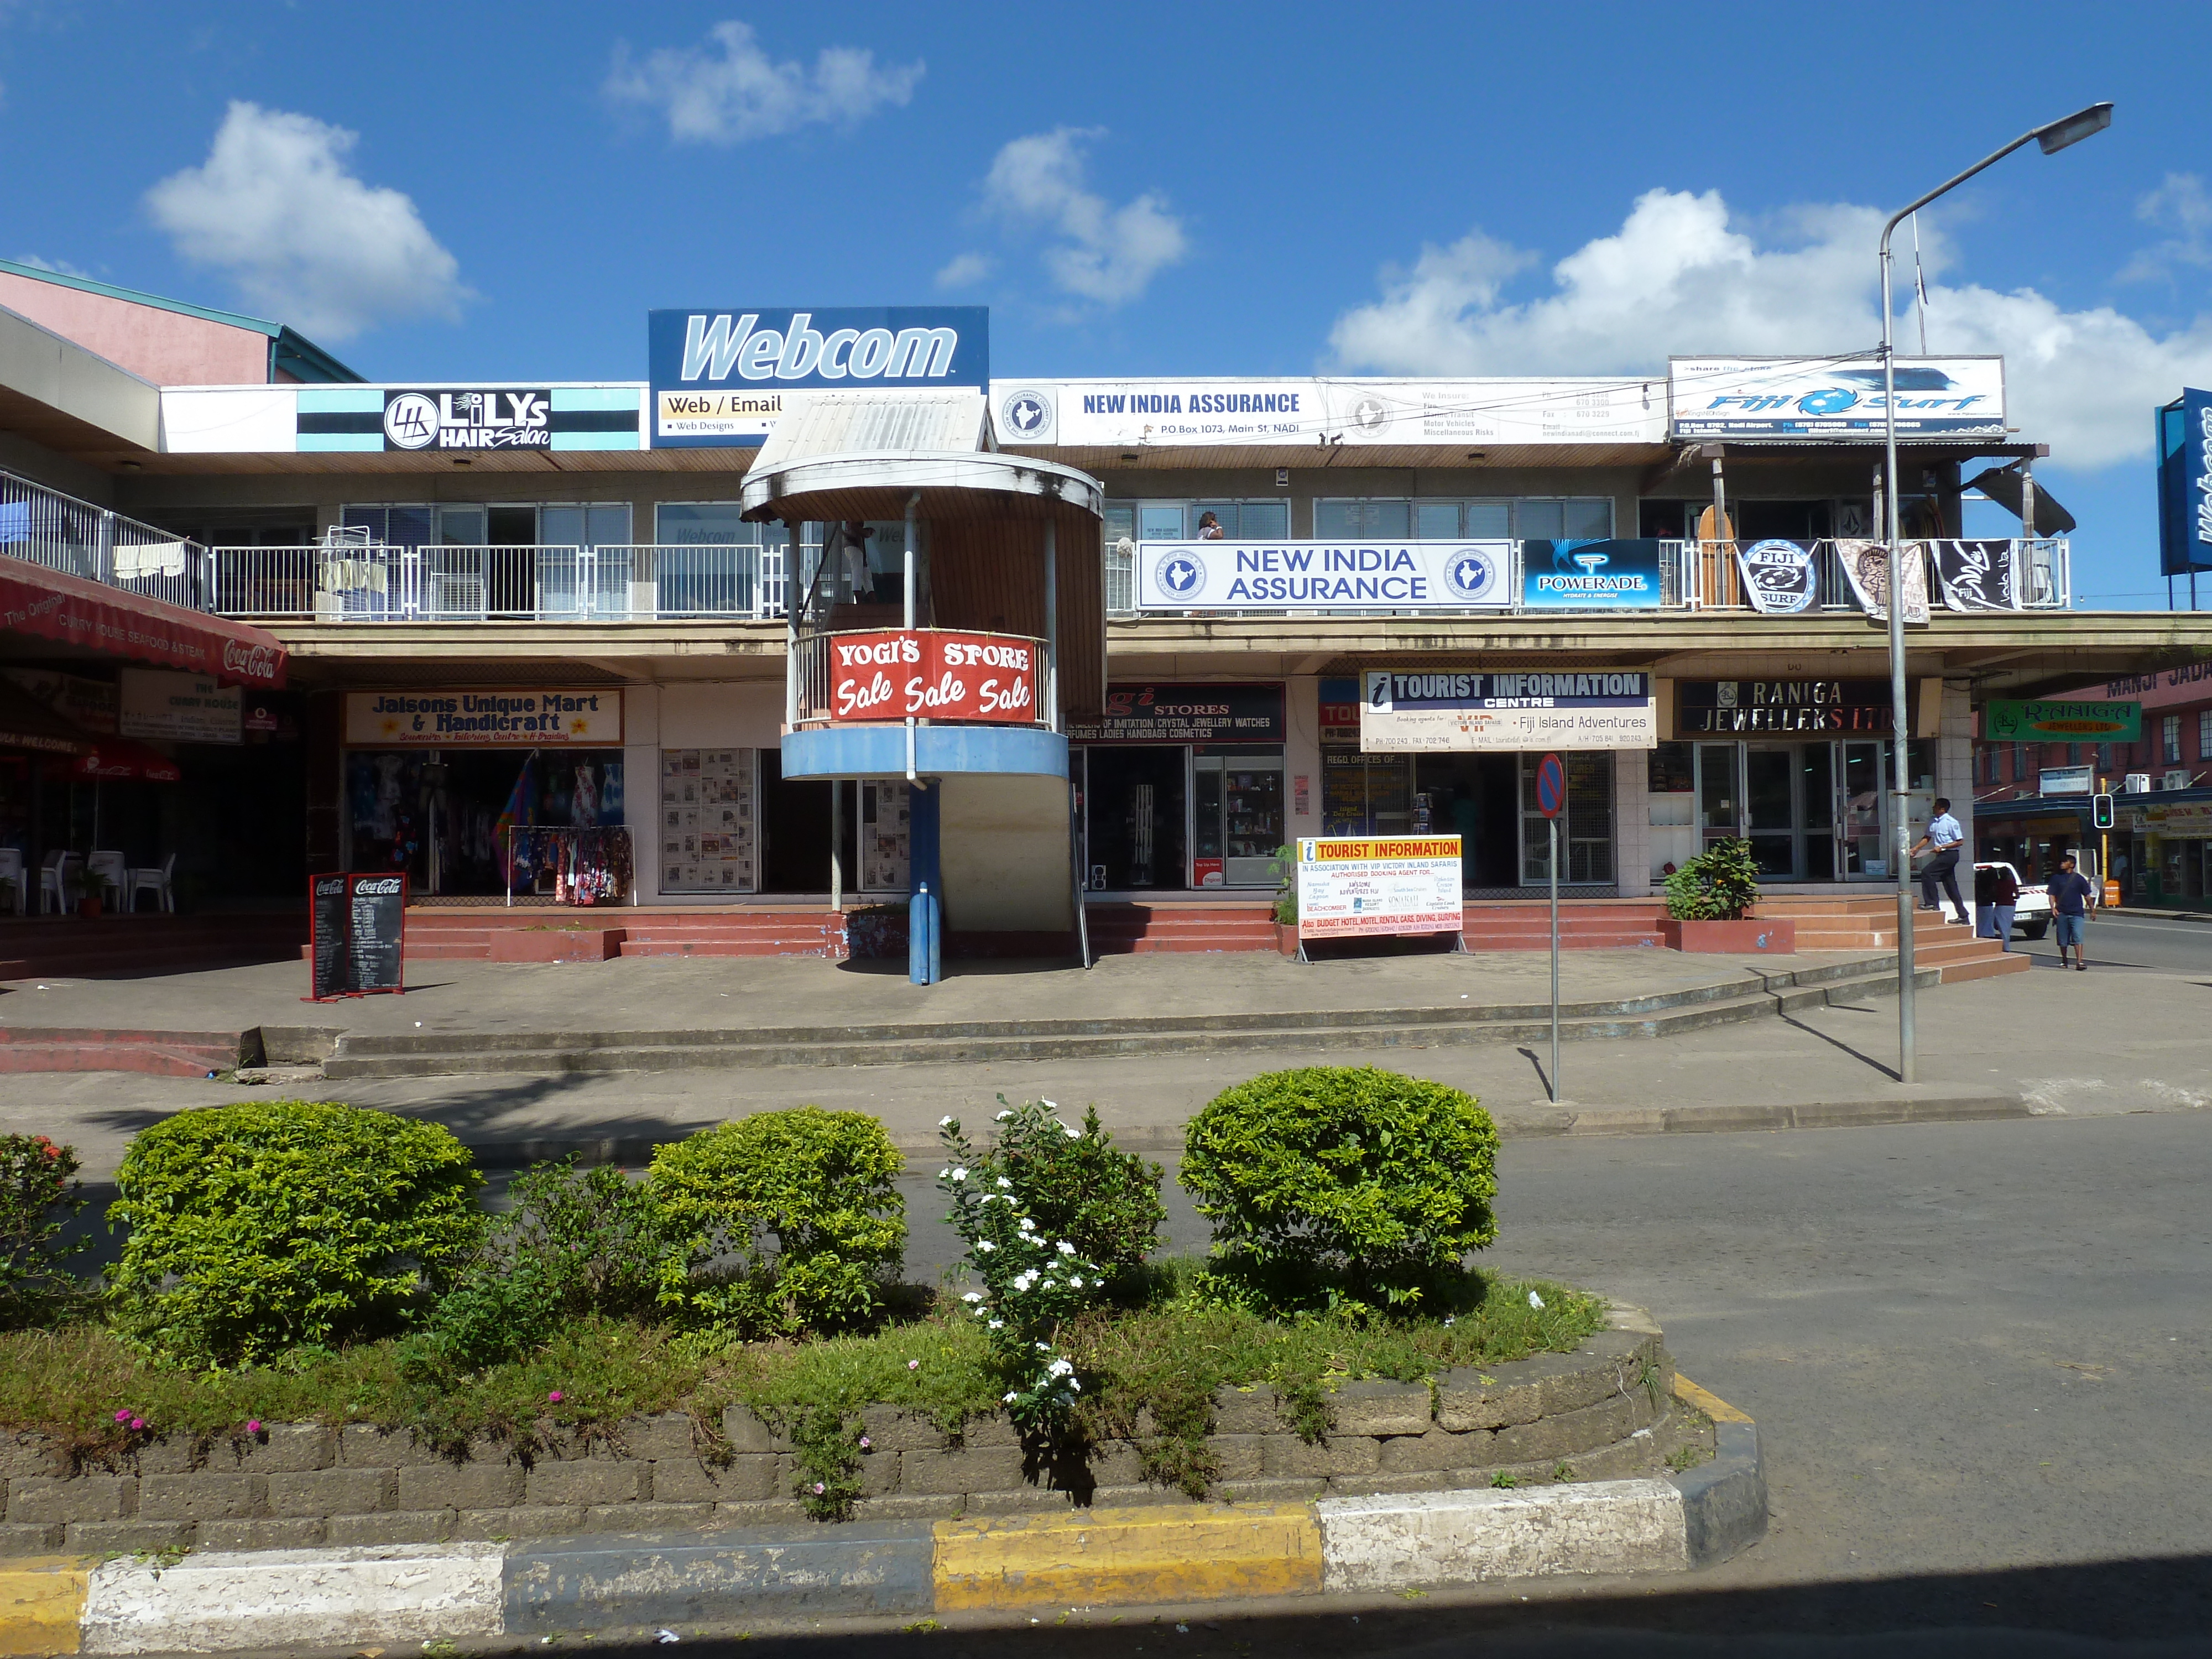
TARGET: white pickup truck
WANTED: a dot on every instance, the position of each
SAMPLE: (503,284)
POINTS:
(2031,917)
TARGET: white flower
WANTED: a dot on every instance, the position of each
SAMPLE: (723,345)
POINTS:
(1003,1116)
(1075,1279)
(1008,1398)
(1003,1181)
(1072,1134)
(1023,1280)
(945,1123)
(1535,1300)
(1449,1322)
(997,1324)
(960,1174)
(1049,1105)
(941,1174)
(1074,1387)
(1044,1347)
(1059,1368)
(985,1244)
(1048,1284)
(1065,1248)
(973,1296)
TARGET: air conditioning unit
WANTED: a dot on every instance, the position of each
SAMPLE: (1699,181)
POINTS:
(2138,783)
(2180,780)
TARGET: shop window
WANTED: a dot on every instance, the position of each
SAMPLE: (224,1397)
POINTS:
(708,562)
(1365,794)
(1345,521)
(2169,740)
(1585,825)
(709,821)
(2205,734)
(1445,521)
(452,523)
(1587,519)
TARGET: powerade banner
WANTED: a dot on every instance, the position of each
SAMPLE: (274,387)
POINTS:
(1828,399)
(2184,485)
(1322,576)
(1593,575)
(719,377)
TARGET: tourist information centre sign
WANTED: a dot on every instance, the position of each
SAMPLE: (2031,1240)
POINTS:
(1506,712)
(1364,887)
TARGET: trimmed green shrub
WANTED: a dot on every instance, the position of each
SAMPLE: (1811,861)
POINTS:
(39,1191)
(820,1184)
(1346,1189)
(1718,884)
(269,1225)
(573,1241)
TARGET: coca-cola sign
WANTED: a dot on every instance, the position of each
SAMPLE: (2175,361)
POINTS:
(933,675)
(256,665)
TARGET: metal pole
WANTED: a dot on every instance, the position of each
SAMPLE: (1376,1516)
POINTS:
(1899,726)
(836,844)
(1051,687)
(1552,825)
(912,510)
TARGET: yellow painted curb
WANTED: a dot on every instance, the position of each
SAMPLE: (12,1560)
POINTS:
(1711,1404)
(42,1603)
(1116,1557)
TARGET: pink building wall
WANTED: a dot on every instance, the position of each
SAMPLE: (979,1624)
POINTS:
(165,347)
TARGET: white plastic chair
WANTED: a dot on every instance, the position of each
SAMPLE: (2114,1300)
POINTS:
(53,871)
(106,868)
(11,871)
(155,879)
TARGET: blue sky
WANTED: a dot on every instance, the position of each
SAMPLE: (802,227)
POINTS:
(456,192)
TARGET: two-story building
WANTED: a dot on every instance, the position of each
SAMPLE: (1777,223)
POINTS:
(567,639)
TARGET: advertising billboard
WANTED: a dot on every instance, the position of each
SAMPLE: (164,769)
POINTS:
(719,377)
(1352,888)
(1452,575)
(1829,398)
(1591,575)
(399,419)
(2055,720)
(1507,711)
(2184,485)
(931,673)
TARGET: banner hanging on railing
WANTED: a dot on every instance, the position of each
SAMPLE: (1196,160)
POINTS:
(1591,576)
(1866,566)
(1780,579)
(1440,575)
(1977,575)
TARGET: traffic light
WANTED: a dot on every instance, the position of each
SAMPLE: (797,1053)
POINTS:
(2100,811)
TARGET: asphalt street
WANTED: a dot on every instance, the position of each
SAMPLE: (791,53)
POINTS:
(1978,1356)
(2115,939)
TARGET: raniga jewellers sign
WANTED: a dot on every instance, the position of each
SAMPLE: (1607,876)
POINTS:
(933,675)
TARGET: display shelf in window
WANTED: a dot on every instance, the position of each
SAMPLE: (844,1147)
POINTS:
(709,821)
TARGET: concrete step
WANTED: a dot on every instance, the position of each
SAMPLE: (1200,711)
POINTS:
(1758,995)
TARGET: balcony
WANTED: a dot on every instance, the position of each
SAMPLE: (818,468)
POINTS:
(60,532)
(367,583)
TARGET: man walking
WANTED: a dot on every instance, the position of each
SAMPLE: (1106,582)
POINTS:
(1944,837)
(2070,892)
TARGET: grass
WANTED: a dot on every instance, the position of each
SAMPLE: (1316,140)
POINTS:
(1165,1359)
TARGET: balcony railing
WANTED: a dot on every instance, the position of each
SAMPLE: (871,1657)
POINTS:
(79,539)
(541,583)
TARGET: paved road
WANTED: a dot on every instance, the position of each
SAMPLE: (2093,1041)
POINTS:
(2117,939)
(1978,1353)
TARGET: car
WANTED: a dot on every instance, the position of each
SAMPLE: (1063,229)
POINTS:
(2031,917)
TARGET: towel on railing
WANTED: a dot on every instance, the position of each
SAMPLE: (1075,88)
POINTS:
(351,576)
(14,521)
(147,559)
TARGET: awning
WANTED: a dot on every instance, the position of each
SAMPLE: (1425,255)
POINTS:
(27,723)
(73,612)
(115,759)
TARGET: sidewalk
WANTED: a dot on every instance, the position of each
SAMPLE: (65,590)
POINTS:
(2042,1042)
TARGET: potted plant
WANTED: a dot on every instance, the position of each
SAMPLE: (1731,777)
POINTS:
(1707,901)
(1285,870)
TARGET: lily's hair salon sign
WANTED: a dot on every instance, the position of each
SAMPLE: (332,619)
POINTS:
(933,674)
(1353,888)
(1507,711)
(1316,575)
(588,717)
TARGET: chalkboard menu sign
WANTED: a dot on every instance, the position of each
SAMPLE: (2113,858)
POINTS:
(357,928)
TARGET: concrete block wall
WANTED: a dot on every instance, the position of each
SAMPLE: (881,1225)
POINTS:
(1606,1412)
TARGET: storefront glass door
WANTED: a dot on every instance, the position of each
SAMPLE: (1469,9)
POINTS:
(1861,811)
(1770,810)
(1237,819)
(1720,791)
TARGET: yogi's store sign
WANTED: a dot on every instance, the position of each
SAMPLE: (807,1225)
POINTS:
(934,675)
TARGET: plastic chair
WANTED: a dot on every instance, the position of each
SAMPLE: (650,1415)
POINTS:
(156,879)
(104,869)
(53,871)
(11,871)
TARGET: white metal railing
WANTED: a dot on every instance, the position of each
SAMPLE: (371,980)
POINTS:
(2041,569)
(349,580)
(77,539)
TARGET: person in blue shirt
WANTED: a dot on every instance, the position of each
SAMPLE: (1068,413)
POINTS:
(2071,895)
(1945,837)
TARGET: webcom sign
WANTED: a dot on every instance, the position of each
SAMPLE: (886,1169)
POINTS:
(719,377)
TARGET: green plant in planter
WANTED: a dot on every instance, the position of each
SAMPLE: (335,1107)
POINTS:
(1348,1190)
(1284,872)
(1718,884)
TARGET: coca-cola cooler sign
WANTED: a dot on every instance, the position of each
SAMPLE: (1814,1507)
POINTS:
(933,675)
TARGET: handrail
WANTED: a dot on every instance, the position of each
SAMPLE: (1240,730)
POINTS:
(78,538)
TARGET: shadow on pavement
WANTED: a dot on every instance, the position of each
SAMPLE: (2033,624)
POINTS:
(2128,1607)
(1796,1024)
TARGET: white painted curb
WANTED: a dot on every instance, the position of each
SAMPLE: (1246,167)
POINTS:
(1464,1537)
(295,1599)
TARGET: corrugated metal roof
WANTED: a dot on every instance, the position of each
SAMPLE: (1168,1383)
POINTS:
(941,421)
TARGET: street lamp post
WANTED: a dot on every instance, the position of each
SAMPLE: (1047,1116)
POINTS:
(2054,137)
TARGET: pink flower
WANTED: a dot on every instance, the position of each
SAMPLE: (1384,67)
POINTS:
(122,1415)
(913,1364)
(253,1425)
(819,1489)
(137,1423)
(554,1397)
(866,1445)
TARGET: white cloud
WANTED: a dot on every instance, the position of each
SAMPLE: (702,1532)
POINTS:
(965,270)
(60,267)
(306,242)
(1679,278)
(2178,204)
(1110,253)
(730,90)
